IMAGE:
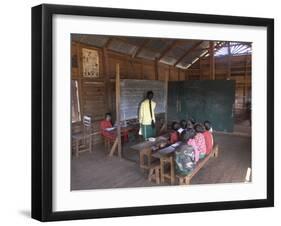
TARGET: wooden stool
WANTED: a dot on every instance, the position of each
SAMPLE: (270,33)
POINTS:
(154,173)
(170,175)
(145,153)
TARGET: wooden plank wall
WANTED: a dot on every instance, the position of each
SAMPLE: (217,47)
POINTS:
(97,95)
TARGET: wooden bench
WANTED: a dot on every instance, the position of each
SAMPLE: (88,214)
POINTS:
(186,179)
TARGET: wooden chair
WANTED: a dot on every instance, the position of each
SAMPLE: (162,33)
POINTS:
(154,173)
(83,140)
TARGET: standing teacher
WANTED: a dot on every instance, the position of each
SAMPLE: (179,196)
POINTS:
(147,116)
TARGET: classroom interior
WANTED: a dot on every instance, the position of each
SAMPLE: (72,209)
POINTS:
(199,79)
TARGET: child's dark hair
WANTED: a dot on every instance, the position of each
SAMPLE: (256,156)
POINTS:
(183,124)
(199,128)
(108,114)
(175,126)
(188,134)
(192,120)
(207,125)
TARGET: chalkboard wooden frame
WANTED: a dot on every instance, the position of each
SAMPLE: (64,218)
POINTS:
(42,197)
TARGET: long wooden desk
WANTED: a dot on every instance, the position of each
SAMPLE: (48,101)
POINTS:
(145,150)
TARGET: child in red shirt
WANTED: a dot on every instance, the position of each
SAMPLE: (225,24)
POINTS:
(174,136)
(106,124)
(208,137)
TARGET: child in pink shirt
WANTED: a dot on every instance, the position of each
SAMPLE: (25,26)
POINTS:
(188,137)
(200,140)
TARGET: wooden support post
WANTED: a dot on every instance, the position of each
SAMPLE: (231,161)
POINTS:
(107,97)
(80,80)
(117,142)
(166,101)
(118,109)
(169,75)
(142,75)
(245,81)
(156,68)
(186,75)
(200,68)
(212,61)
(228,61)
(113,148)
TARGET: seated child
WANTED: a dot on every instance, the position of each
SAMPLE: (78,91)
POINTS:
(188,137)
(111,134)
(208,137)
(182,128)
(106,124)
(200,140)
(190,123)
(183,124)
(184,159)
(174,136)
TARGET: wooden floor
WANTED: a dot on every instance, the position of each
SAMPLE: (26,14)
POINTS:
(96,170)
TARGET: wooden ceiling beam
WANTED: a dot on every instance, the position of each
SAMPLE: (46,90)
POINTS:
(134,44)
(216,48)
(107,43)
(187,52)
(140,48)
(168,49)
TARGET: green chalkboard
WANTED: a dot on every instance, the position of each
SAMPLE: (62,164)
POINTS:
(211,100)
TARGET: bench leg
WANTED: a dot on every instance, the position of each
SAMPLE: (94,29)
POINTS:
(162,170)
(187,181)
(150,174)
(157,175)
(172,171)
(180,181)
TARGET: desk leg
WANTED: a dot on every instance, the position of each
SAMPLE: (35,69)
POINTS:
(90,144)
(172,170)
(162,163)
(141,160)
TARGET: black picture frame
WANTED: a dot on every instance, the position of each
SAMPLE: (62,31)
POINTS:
(42,111)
